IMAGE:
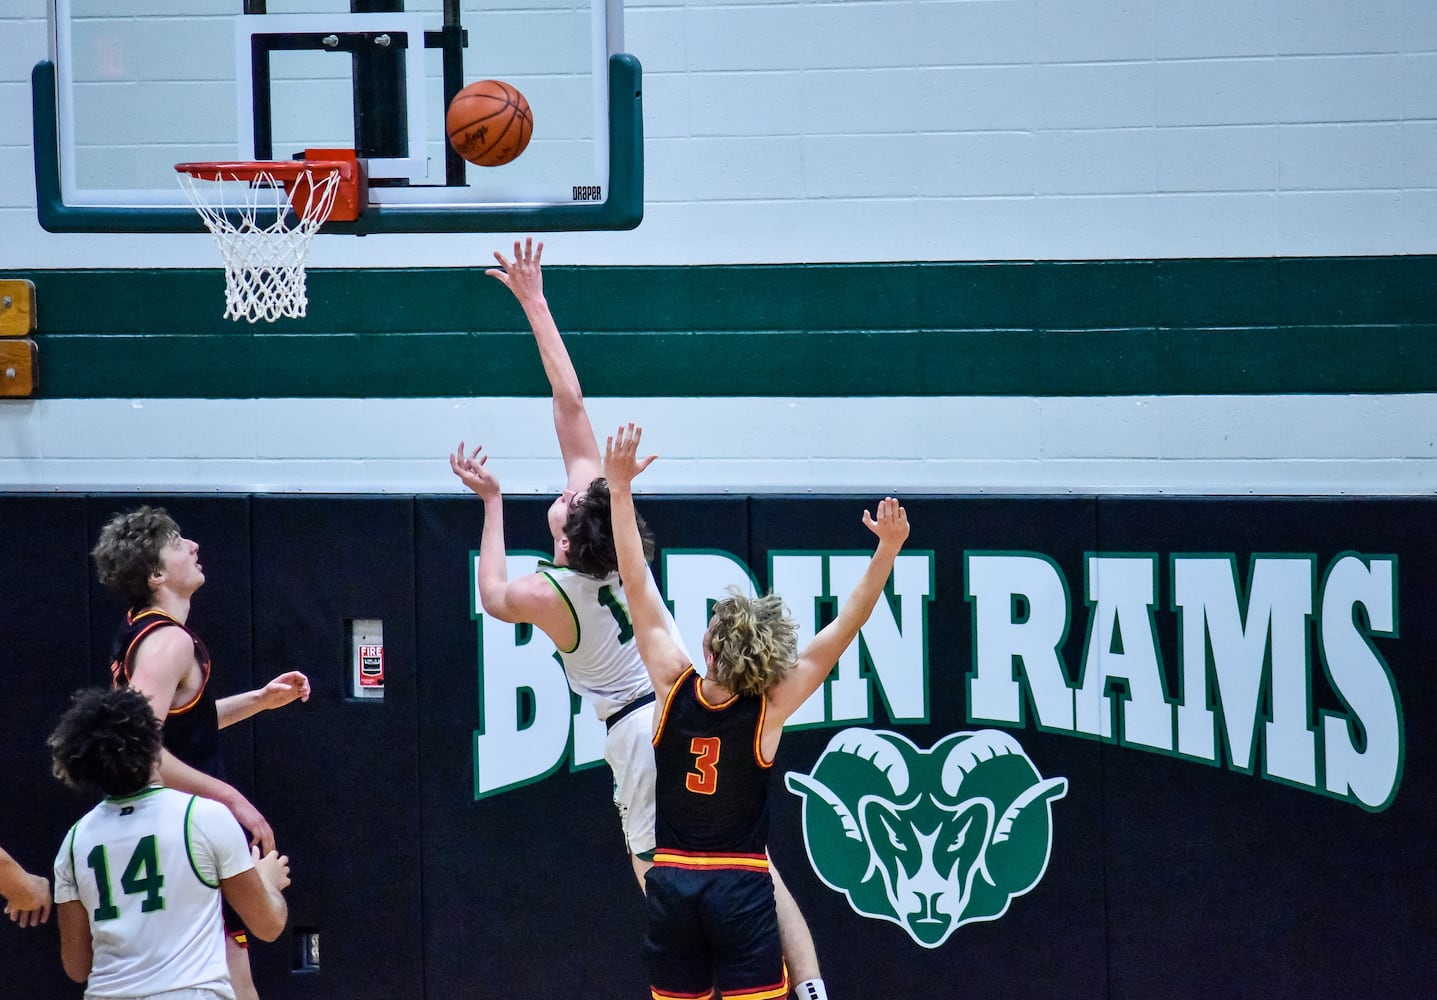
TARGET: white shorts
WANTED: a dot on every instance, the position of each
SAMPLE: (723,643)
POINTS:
(629,750)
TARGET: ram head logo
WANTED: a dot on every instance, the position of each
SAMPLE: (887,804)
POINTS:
(930,840)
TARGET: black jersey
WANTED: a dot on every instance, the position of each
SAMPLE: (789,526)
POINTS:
(711,787)
(192,730)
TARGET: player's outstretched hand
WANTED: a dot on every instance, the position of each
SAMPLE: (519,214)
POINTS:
(272,867)
(32,907)
(284,689)
(891,524)
(621,456)
(523,276)
(471,472)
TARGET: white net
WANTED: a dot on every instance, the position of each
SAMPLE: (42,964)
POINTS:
(264,253)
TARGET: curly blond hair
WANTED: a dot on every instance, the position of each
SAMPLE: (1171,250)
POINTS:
(753,642)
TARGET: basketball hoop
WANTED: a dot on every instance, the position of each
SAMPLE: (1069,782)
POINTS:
(263,215)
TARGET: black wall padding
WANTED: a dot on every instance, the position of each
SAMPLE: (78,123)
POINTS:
(1167,877)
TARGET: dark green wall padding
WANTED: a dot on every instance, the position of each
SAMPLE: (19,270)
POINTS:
(1044,328)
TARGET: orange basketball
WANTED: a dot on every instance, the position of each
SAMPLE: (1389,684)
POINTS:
(489,123)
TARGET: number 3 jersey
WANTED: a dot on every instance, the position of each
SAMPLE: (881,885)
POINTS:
(147,869)
(604,667)
(711,790)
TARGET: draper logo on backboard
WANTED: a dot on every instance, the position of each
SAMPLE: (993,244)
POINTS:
(928,839)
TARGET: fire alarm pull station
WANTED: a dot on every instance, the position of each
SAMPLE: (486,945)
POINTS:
(366,646)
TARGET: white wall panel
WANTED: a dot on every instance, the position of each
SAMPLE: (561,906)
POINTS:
(1184,444)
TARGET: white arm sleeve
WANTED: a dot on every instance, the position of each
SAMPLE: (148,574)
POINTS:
(66,891)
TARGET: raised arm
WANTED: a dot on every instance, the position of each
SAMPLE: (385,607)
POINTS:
(524,277)
(529,599)
(821,654)
(664,658)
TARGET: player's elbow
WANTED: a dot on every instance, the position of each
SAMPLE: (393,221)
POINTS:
(270,925)
(495,606)
(77,962)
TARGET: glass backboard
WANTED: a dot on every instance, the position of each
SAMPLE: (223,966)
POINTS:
(136,86)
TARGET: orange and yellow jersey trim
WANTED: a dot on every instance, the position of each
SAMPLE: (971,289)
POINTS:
(699,861)
(691,676)
(778,991)
(160,619)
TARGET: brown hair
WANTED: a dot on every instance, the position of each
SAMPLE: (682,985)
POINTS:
(129,551)
(590,531)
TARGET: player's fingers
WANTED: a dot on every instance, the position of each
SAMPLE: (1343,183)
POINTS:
(539,251)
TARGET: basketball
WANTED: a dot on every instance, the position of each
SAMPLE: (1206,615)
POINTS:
(489,123)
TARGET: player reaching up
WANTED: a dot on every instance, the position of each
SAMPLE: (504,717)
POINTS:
(713,924)
(578,600)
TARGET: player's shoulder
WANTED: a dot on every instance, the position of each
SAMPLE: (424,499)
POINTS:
(205,812)
(166,637)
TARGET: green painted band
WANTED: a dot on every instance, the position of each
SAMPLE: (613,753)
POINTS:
(1045,328)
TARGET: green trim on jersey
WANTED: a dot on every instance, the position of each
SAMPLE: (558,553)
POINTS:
(133,796)
(573,615)
(189,846)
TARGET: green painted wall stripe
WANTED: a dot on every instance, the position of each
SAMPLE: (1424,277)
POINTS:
(1267,325)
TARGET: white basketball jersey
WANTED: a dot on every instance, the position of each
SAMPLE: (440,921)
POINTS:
(147,869)
(604,667)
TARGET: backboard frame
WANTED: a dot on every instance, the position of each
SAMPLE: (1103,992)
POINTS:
(402,210)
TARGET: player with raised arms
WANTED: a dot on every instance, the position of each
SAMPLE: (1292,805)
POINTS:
(713,924)
(578,601)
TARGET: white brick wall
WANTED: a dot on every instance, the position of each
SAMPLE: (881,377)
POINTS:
(797,116)
(1380,445)
(790,130)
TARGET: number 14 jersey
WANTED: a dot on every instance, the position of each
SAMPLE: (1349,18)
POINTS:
(147,869)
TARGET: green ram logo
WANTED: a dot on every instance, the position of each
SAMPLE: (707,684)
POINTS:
(930,840)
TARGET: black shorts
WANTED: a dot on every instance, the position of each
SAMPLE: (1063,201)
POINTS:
(713,929)
(234,926)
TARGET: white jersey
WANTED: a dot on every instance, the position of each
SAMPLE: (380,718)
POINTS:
(147,869)
(604,667)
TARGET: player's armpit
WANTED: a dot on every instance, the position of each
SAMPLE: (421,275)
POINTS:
(532,600)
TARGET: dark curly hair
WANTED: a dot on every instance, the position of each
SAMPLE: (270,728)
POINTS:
(107,742)
(129,551)
(590,531)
